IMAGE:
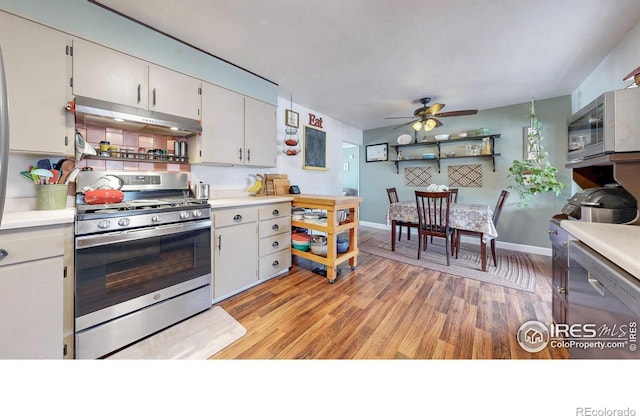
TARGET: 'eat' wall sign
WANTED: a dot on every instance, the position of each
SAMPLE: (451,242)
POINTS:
(315,121)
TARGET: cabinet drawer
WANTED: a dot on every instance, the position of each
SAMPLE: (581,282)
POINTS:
(274,226)
(29,244)
(274,264)
(558,235)
(270,245)
(275,211)
(234,216)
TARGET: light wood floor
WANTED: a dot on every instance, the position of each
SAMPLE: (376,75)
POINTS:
(385,310)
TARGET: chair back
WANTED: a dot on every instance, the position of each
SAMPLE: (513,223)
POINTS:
(433,212)
(393,195)
(496,212)
(454,195)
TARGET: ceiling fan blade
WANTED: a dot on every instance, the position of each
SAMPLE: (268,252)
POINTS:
(391,118)
(457,113)
(406,124)
(434,108)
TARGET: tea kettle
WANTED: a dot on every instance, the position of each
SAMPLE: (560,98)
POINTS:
(201,190)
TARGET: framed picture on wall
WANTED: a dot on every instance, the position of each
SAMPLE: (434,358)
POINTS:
(291,118)
(377,152)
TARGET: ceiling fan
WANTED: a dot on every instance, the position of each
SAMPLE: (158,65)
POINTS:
(425,116)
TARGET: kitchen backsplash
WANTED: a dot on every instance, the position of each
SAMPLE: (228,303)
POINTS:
(129,140)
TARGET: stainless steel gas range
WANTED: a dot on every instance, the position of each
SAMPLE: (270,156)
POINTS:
(142,264)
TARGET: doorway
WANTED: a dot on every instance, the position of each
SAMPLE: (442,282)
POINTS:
(350,169)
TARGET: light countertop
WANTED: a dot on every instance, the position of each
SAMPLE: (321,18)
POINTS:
(617,242)
(248,200)
(36,218)
(21,213)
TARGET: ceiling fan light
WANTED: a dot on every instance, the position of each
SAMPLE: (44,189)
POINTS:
(429,124)
(417,125)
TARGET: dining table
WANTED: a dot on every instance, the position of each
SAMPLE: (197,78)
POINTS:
(471,217)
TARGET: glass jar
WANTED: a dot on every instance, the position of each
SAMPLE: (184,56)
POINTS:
(486,146)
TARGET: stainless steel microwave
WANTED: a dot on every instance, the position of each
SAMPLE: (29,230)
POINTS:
(608,124)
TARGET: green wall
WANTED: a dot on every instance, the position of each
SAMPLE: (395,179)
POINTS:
(527,226)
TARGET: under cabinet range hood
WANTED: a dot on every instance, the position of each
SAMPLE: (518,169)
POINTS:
(92,112)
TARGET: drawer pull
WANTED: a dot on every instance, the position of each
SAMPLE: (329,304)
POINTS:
(219,242)
(275,212)
(275,244)
(275,263)
(275,227)
(237,218)
(3,254)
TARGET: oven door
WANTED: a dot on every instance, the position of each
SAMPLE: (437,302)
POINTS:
(113,270)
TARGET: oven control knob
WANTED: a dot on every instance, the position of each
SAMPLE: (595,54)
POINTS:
(104,224)
(155,218)
(184,214)
(123,222)
(197,213)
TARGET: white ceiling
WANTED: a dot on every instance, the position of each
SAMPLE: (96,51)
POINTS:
(359,61)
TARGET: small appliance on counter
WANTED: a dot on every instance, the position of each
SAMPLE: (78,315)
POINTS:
(201,190)
(608,204)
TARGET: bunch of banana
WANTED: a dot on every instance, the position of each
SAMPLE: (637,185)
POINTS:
(257,185)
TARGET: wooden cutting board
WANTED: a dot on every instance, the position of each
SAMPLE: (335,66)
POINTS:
(281,186)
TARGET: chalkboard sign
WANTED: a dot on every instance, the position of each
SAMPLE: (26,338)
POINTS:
(315,149)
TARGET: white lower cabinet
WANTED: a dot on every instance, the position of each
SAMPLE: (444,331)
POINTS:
(31,293)
(250,244)
(274,232)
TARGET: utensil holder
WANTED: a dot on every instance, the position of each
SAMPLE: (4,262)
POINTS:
(51,196)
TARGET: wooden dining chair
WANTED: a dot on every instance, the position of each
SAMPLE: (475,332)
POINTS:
(393,198)
(496,216)
(433,218)
(454,195)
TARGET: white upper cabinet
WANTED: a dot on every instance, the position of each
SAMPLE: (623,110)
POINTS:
(236,130)
(174,93)
(37,82)
(109,75)
(259,133)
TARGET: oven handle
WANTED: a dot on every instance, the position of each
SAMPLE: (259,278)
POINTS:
(139,234)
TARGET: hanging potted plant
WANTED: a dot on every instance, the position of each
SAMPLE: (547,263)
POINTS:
(535,174)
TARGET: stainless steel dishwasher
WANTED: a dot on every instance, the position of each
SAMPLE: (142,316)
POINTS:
(603,306)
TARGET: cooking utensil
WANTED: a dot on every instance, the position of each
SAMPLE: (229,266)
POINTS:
(44,164)
(103,196)
(27,175)
(40,175)
(72,176)
(67,166)
(55,177)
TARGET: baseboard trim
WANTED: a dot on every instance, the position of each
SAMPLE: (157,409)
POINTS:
(499,244)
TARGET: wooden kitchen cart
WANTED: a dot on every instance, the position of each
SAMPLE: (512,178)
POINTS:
(331,204)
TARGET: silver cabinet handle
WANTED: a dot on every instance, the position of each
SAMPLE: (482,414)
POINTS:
(3,254)
(237,218)
(219,242)
(275,244)
(248,155)
(139,96)
(240,154)
(275,227)
(596,285)
(154,97)
(275,212)
(275,263)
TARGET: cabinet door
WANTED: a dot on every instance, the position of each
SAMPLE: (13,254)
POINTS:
(260,133)
(37,83)
(108,75)
(222,139)
(235,258)
(174,93)
(31,317)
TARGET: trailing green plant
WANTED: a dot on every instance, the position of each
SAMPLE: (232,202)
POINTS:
(534,175)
